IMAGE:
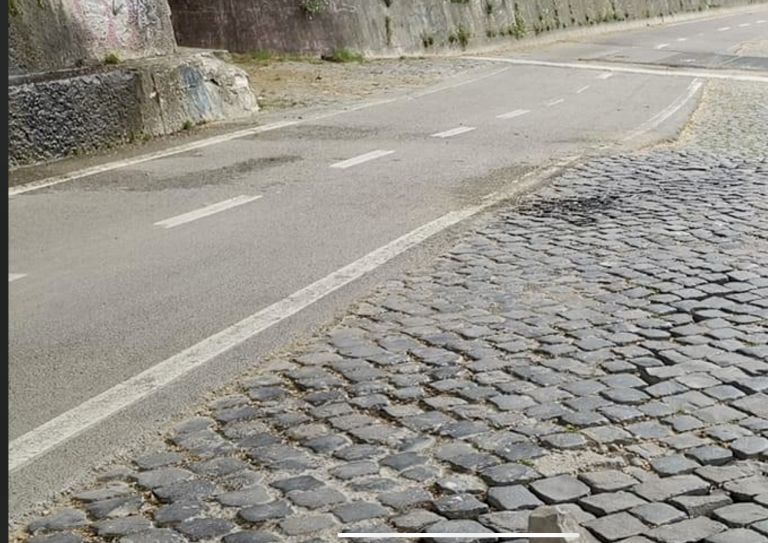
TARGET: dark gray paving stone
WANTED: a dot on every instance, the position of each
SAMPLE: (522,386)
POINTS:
(673,465)
(406,499)
(161,535)
(122,526)
(360,510)
(656,514)
(696,506)
(158,460)
(739,535)
(251,537)
(607,503)
(460,506)
(456,527)
(255,495)
(741,514)
(63,520)
(616,527)
(686,531)
(416,520)
(748,487)
(307,524)
(177,512)
(749,447)
(508,474)
(511,498)
(608,480)
(115,507)
(710,455)
(206,528)
(161,477)
(559,489)
(662,489)
(323,496)
(59,537)
(260,513)
(186,490)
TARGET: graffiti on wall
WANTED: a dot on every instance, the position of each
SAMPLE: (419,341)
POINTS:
(118,25)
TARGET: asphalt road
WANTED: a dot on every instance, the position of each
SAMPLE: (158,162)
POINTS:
(112,274)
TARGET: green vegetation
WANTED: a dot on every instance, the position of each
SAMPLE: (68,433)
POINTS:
(112,59)
(13,8)
(427,40)
(343,55)
(313,7)
(461,36)
(488,8)
(388,29)
(188,125)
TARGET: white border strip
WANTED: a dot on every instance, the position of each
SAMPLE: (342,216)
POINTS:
(206,211)
(454,132)
(14,276)
(513,114)
(665,113)
(26,448)
(468,535)
(704,74)
(355,161)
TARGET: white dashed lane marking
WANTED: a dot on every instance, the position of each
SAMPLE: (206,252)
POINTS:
(606,75)
(555,102)
(682,39)
(373,155)
(662,46)
(206,211)
(454,132)
(582,89)
(513,114)
(13,276)
(723,28)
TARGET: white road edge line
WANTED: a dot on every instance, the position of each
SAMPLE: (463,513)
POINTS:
(26,448)
(667,112)
(582,89)
(354,161)
(662,46)
(212,209)
(14,276)
(513,114)
(703,74)
(606,75)
(463,535)
(454,132)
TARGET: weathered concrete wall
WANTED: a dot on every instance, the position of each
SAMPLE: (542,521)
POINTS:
(50,118)
(385,27)
(56,34)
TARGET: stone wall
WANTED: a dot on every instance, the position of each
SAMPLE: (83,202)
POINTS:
(52,117)
(56,34)
(387,27)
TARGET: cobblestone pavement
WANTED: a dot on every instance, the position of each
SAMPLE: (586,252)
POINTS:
(604,345)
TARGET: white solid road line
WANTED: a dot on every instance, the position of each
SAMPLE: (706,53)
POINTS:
(662,46)
(513,114)
(673,72)
(667,112)
(44,438)
(206,211)
(606,75)
(582,89)
(454,132)
(373,155)
(555,102)
(13,276)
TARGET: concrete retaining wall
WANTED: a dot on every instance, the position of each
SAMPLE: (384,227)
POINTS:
(56,34)
(386,27)
(57,115)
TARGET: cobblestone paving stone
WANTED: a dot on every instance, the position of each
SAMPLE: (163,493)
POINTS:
(603,344)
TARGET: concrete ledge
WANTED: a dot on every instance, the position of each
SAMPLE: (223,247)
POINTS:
(54,115)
